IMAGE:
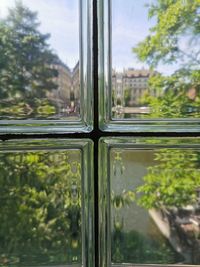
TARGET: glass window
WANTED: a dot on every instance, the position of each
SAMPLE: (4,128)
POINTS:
(45,54)
(106,73)
(46,203)
(149,201)
(152,39)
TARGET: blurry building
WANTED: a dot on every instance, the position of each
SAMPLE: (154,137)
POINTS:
(129,86)
(67,94)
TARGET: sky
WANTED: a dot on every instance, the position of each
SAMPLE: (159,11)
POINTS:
(130,25)
(60,18)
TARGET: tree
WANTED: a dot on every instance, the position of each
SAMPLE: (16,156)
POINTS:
(170,187)
(25,64)
(127,96)
(177,21)
(172,182)
(40,208)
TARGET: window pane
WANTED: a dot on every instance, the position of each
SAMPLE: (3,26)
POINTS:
(150,64)
(43,205)
(149,201)
(44,59)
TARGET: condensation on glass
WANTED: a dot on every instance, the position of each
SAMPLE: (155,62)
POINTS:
(44,212)
(45,67)
(149,65)
(150,202)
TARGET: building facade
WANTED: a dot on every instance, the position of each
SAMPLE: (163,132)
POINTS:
(67,93)
(129,86)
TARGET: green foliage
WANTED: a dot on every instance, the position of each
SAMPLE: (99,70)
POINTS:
(40,207)
(127,96)
(177,21)
(172,182)
(173,98)
(25,56)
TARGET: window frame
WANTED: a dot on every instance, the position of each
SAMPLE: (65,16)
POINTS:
(99,123)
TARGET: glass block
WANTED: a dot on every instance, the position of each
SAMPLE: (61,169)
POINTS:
(45,67)
(149,65)
(149,201)
(46,203)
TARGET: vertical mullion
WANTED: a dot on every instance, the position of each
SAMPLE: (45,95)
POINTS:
(96,129)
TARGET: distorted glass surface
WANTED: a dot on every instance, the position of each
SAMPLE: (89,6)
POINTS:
(39,60)
(155,59)
(154,204)
(41,208)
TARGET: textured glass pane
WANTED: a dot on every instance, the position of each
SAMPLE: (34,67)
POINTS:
(43,62)
(153,202)
(151,61)
(42,205)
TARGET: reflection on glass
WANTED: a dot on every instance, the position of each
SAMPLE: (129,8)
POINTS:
(155,206)
(39,59)
(155,59)
(40,208)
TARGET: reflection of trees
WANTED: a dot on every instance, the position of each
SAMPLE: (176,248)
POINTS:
(171,188)
(132,246)
(40,208)
(118,201)
(177,24)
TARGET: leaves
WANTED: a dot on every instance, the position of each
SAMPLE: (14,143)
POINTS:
(174,20)
(40,204)
(173,182)
(173,41)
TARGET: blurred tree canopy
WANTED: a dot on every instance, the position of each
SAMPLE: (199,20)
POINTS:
(40,208)
(173,182)
(25,56)
(171,187)
(174,40)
